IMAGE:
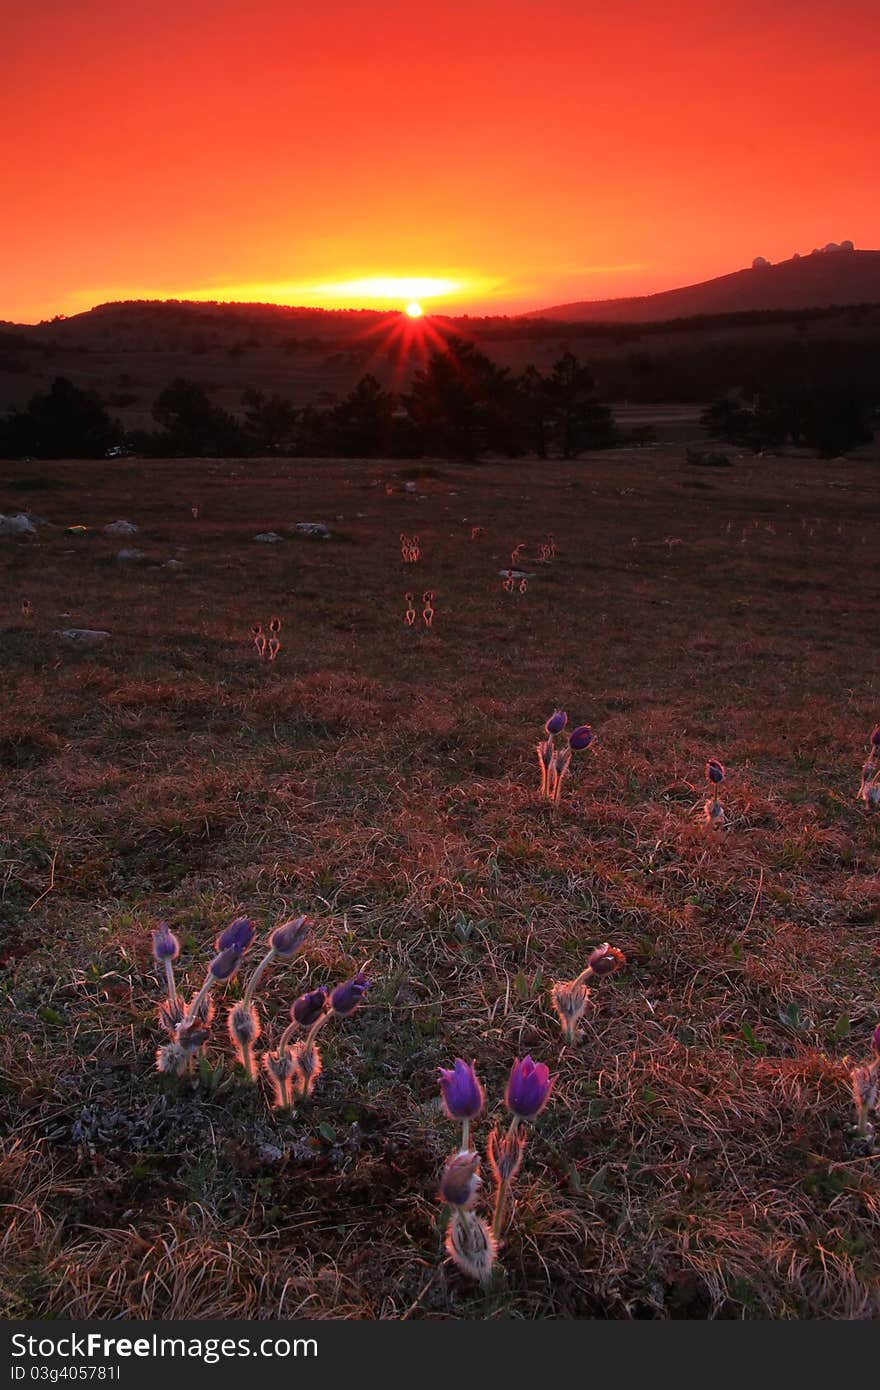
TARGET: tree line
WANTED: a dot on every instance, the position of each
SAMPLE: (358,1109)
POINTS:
(459,404)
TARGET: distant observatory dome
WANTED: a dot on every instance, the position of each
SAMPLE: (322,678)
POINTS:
(796,256)
(759,262)
(831,246)
(847,246)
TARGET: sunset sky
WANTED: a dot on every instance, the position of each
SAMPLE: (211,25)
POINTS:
(521,154)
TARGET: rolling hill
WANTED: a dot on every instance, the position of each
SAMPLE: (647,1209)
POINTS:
(822,279)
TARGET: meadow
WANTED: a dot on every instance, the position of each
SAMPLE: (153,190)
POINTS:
(696,1158)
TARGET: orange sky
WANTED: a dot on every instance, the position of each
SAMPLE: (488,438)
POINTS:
(531,153)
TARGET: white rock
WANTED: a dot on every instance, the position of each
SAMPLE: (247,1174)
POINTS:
(268,537)
(313,528)
(19,525)
(173,565)
(83,635)
(120,528)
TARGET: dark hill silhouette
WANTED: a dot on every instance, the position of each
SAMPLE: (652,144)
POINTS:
(839,277)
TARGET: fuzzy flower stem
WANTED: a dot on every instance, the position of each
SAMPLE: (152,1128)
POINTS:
(169,979)
(584,975)
(192,1011)
(258,972)
(499,1216)
(310,1036)
(465,1135)
(247,1061)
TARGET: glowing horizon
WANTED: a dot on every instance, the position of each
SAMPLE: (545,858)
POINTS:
(509,158)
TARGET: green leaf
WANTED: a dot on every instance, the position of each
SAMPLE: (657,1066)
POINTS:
(327,1132)
(754,1044)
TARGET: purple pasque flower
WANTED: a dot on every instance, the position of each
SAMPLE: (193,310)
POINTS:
(307,1009)
(346,997)
(225,963)
(557,722)
(528,1088)
(287,938)
(237,936)
(581,737)
(605,960)
(463,1096)
(715,771)
(875,738)
(165,944)
(875,1039)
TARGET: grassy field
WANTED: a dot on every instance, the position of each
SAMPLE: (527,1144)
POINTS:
(696,1158)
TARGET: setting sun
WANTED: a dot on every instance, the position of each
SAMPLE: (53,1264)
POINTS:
(414,310)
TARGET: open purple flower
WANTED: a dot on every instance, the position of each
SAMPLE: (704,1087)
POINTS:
(287,939)
(237,936)
(307,1009)
(346,997)
(165,944)
(225,963)
(557,722)
(581,737)
(528,1088)
(715,771)
(463,1096)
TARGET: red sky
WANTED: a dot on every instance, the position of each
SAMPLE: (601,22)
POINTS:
(530,152)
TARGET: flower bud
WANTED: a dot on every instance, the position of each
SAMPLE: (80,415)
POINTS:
(505,1154)
(605,960)
(715,771)
(287,939)
(165,944)
(244,1024)
(346,997)
(470,1243)
(581,737)
(237,936)
(306,1067)
(307,1009)
(557,722)
(171,1015)
(461,1181)
(570,999)
(171,1059)
(224,965)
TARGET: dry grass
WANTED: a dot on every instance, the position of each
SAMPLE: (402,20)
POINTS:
(695,1160)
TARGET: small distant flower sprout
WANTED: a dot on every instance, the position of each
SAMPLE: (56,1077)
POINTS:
(713,811)
(570,998)
(554,762)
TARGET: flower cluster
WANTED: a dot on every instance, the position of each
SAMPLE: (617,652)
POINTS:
(869,791)
(554,761)
(866,1089)
(292,1069)
(472,1241)
(571,997)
